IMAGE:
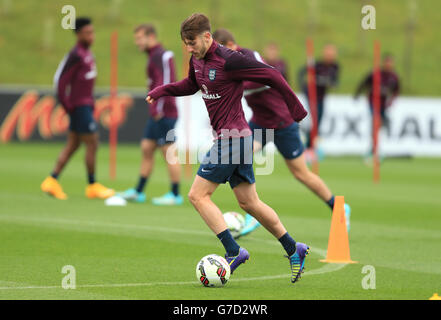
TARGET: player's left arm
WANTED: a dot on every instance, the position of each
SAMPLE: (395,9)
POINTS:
(241,68)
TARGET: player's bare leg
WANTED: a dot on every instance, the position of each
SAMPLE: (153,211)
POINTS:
(257,146)
(72,144)
(94,189)
(314,183)
(249,201)
(200,197)
(302,173)
(50,185)
(251,223)
(170,156)
(148,148)
(174,170)
(91,143)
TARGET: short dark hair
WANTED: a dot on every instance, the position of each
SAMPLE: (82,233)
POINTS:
(81,22)
(194,26)
(148,28)
(223,36)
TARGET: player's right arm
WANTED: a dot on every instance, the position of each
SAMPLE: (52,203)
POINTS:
(63,78)
(185,87)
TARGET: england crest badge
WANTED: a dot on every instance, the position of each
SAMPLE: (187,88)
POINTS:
(212,74)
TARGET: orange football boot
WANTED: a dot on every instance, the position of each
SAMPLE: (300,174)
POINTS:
(53,188)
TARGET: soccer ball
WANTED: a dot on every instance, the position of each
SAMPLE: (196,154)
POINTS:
(213,271)
(235,222)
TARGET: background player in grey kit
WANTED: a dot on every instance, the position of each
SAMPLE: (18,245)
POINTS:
(163,116)
(221,72)
(74,82)
(270,112)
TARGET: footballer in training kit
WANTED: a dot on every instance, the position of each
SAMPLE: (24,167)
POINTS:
(74,82)
(389,89)
(158,132)
(272,57)
(270,112)
(327,72)
(219,73)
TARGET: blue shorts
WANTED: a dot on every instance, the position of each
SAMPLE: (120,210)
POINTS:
(287,140)
(229,160)
(82,121)
(157,130)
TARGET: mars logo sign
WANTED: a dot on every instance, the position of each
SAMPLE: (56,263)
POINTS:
(31,112)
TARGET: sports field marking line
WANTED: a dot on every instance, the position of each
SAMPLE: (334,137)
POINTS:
(29,219)
(328,267)
(324,269)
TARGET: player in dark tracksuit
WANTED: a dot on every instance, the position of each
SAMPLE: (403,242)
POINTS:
(326,77)
(219,73)
(163,116)
(270,112)
(74,82)
(389,88)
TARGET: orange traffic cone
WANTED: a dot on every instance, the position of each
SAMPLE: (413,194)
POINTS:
(435,297)
(338,243)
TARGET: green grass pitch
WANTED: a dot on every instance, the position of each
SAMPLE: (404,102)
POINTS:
(147,252)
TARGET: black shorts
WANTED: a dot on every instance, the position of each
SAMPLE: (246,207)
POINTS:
(287,140)
(160,130)
(82,121)
(229,160)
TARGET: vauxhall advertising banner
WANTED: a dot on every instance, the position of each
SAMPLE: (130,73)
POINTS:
(31,114)
(414,130)
(414,127)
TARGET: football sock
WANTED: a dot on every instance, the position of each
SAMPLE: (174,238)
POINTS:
(288,244)
(229,243)
(330,202)
(175,189)
(54,175)
(141,184)
(91,178)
